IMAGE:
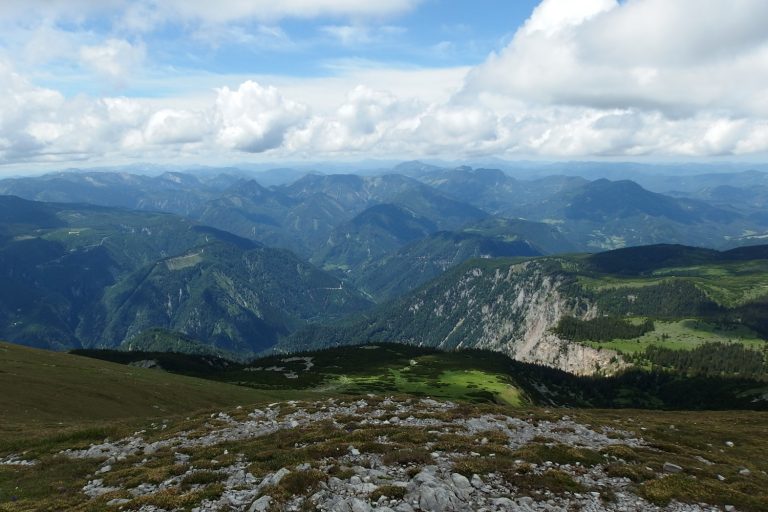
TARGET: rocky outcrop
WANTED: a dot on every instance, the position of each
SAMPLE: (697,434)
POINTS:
(519,322)
(361,480)
(575,358)
(494,305)
(513,311)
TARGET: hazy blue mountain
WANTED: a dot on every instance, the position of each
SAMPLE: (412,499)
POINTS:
(171,191)
(415,264)
(400,271)
(310,216)
(356,193)
(371,235)
(302,216)
(280,176)
(83,275)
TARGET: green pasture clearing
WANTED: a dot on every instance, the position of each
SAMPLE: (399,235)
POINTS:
(685,335)
(729,284)
(463,385)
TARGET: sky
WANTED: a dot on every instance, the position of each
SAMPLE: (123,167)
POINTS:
(111,82)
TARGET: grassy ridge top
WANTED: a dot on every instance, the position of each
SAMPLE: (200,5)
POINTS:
(50,388)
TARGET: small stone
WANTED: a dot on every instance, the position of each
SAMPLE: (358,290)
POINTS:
(671,468)
(729,444)
(477,482)
(354,451)
(745,472)
(721,478)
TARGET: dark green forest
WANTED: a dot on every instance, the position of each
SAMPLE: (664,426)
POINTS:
(710,359)
(601,329)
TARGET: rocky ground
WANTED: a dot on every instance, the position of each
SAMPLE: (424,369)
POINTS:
(384,454)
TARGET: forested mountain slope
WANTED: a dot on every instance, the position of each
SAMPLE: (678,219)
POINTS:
(78,275)
(518,307)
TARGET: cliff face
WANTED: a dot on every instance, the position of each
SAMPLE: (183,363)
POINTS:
(515,311)
(509,308)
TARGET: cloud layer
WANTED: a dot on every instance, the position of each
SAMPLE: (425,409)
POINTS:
(594,77)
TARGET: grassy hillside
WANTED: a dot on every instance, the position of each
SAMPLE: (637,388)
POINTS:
(46,389)
(174,442)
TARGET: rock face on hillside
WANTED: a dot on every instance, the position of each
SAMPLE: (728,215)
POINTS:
(505,308)
(527,302)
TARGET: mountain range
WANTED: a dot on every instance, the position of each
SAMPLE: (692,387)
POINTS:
(238,263)
(579,313)
(81,275)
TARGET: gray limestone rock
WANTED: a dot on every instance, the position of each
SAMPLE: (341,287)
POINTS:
(261,505)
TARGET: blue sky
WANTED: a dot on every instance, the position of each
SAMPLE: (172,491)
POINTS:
(433,33)
(100,82)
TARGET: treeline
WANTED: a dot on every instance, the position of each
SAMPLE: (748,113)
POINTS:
(754,315)
(668,299)
(196,365)
(601,329)
(710,359)
(640,389)
(635,388)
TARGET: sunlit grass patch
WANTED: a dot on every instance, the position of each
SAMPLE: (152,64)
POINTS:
(686,488)
(554,481)
(177,499)
(559,454)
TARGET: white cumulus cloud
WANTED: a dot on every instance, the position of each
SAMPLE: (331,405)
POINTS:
(116,59)
(578,78)
(255,118)
(170,126)
(678,57)
(690,72)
